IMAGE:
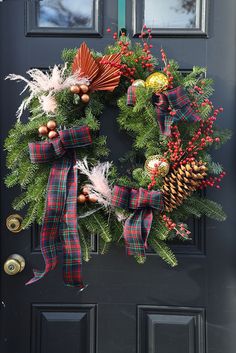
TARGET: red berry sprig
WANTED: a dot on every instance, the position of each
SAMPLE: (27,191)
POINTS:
(168,222)
(213,181)
(154,174)
(166,69)
(179,228)
(130,60)
(202,138)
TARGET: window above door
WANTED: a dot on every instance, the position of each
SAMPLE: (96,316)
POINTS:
(185,18)
(64,18)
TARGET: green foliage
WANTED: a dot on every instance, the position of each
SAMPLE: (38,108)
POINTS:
(163,251)
(224,135)
(206,207)
(132,61)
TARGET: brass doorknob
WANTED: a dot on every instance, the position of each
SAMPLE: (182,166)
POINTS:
(14,264)
(14,223)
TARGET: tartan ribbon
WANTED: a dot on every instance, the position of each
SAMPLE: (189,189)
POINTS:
(60,214)
(131,96)
(138,225)
(177,101)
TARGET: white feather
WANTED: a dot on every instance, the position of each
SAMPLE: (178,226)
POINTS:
(46,83)
(98,177)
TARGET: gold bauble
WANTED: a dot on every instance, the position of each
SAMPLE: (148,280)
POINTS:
(157,81)
(85,190)
(81,198)
(85,98)
(138,83)
(43,130)
(84,88)
(157,163)
(75,89)
(92,198)
(51,125)
(52,134)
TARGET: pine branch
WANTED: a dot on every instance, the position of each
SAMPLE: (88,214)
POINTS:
(163,251)
(86,248)
(207,207)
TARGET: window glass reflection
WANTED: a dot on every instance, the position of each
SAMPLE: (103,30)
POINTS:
(172,13)
(65,13)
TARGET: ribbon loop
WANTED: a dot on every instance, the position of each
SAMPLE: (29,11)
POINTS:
(137,226)
(60,218)
(177,101)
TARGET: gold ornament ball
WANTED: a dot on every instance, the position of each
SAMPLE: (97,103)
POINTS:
(138,83)
(84,88)
(52,134)
(92,198)
(85,98)
(85,190)
(51,125)
(43,130)
(157,81)
(75,89)
(157,163)
(81,198)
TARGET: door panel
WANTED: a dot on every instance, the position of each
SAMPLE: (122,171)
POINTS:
(126,307)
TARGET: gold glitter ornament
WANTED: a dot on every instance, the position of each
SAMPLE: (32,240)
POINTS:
(157,81)
(139,83)
(157,163)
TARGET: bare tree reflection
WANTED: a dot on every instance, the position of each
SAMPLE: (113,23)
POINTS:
(55,13)
(188,7)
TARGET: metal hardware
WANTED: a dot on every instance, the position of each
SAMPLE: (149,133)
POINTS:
(14,264)
(14,223)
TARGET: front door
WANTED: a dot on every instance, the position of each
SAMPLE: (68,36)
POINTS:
(126,307)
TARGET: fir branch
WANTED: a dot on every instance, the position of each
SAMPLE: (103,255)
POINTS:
(163,251)
(207,207)
(85,246)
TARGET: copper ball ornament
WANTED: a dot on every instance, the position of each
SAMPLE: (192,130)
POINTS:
(139,83)
(157,81)
(85,190)
(51,125)
(84,88)
(85,98)
(52,134)
(92,198)
(43,130)
(75,89)
(81,198)
(157,163)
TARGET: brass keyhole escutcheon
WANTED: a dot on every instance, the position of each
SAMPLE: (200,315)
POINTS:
(14,223)
(14,264)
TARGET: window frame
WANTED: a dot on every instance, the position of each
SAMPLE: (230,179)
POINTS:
(32,28)
(202,31)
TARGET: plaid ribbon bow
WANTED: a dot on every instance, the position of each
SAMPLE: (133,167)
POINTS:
(60,217)
(178,102)
(137,226)
(175,100)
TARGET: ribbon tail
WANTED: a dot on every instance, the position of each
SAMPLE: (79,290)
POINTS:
(55,202)
(69,234)
(133,234)
(147,218)
(131,96)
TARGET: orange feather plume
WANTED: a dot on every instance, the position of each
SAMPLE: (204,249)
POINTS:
(103,73)
(85,62)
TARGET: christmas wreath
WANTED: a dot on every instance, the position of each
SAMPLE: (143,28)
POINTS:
(58,157)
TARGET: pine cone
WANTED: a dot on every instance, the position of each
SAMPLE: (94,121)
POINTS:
(181,183)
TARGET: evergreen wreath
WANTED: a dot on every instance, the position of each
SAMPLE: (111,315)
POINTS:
(172,122)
